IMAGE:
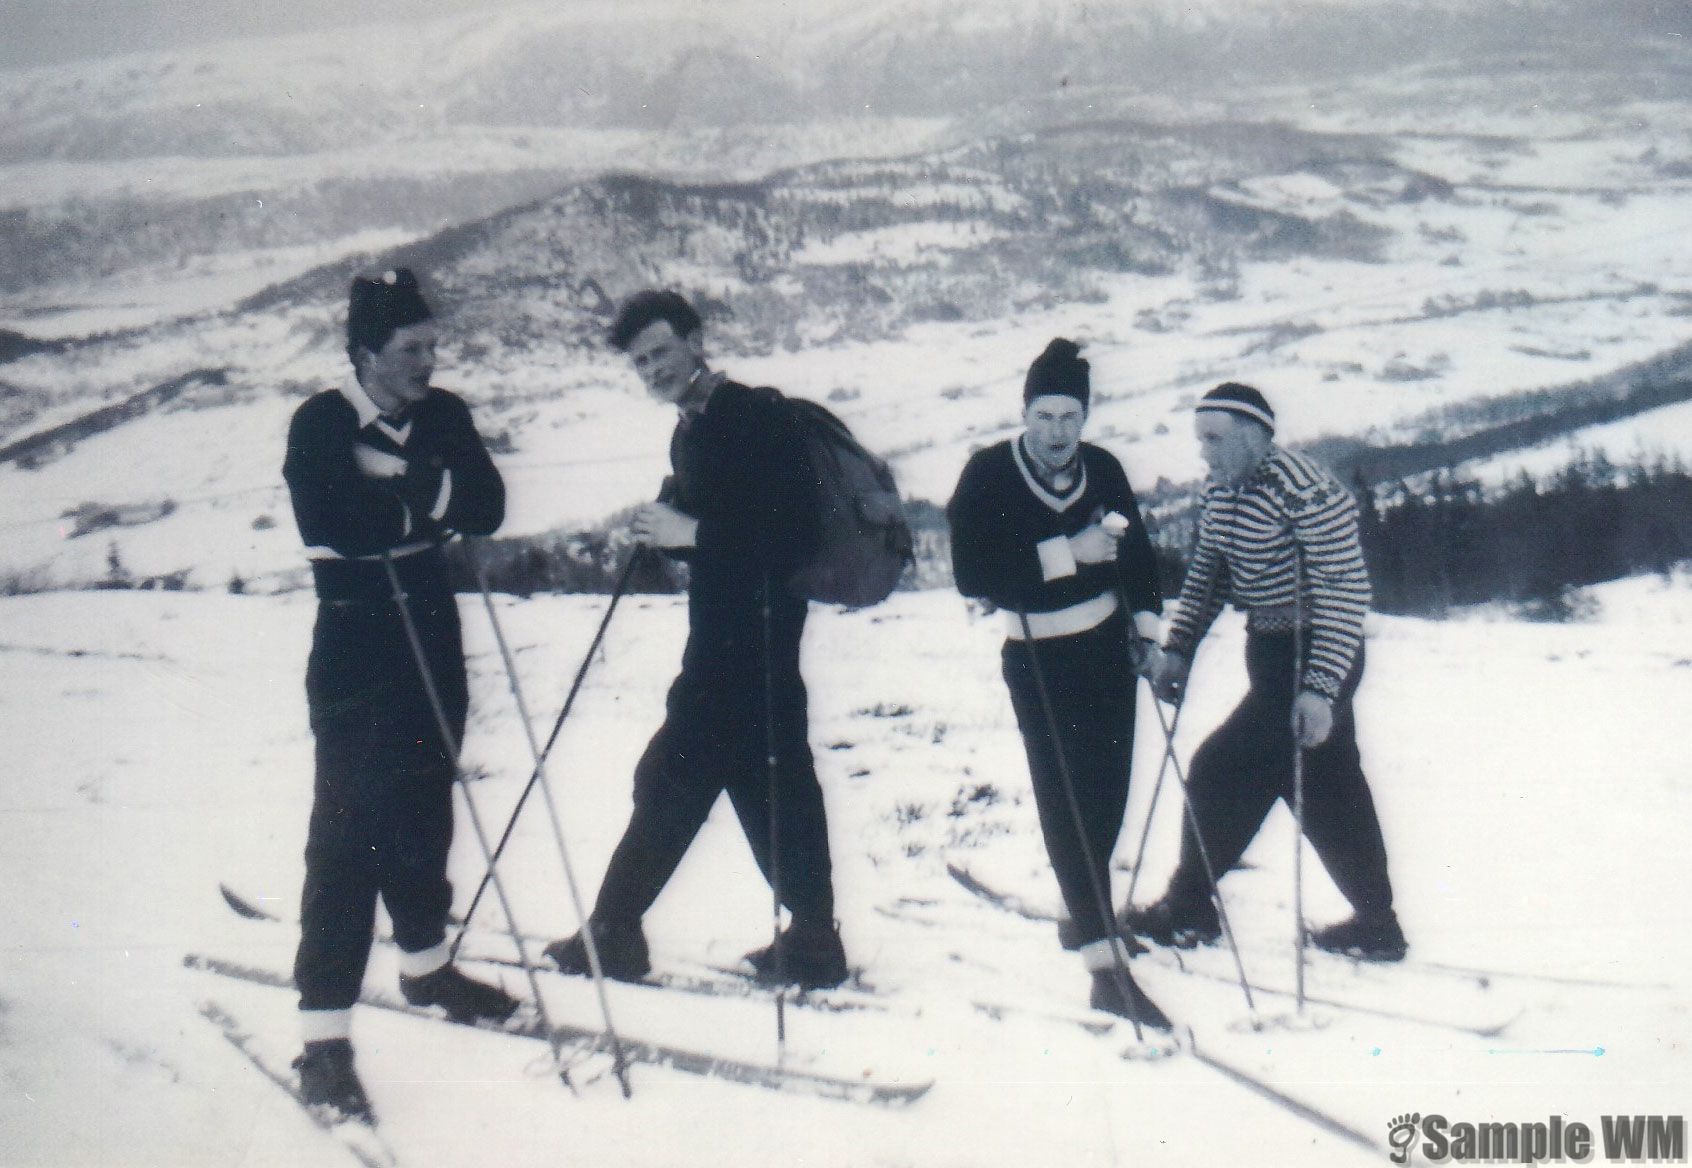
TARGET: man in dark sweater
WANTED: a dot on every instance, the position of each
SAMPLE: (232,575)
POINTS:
(383,468)
(1278,538)
(740,510)
(1046,528)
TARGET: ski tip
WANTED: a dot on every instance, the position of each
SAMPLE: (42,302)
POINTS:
(243,906)
(1498,1028)
(1152,1049)
(906,1093)
(361,1137)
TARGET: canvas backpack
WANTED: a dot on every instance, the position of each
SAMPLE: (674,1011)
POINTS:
(864,541)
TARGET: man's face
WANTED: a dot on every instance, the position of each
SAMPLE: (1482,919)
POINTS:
(1054,423)
(1232,446)
(397,375)
(667,363)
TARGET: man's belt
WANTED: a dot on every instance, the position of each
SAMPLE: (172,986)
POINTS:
(363,580)
(321,555)
(1065,622)
(1277,618)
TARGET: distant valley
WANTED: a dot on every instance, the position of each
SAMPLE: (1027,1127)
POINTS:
(1381,250)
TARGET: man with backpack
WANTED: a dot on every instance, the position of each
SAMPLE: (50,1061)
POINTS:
(741,510)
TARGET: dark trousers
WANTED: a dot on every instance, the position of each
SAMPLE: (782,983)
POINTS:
(1247,763)
(713,740)
(381,819)
(1090,681)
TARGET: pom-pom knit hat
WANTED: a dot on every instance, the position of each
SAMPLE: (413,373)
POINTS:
(1060,369)
(379,307)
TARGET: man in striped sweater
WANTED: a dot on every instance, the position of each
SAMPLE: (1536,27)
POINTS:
(1277,538)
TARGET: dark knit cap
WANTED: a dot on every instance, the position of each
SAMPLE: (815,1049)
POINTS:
(1060,369)
(1233,398)
(379,307)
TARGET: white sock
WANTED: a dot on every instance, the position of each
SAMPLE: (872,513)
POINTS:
(322,1025)
(1096,955)
(424,961)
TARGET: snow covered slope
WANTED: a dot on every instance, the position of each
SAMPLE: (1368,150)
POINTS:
(1531,792)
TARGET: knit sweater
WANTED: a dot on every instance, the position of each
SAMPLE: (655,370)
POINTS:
(364,485)
(1010,534)
(742,471)
(1289,517)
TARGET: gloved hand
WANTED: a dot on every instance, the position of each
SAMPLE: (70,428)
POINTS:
(1312,719)
(661,525)
(1093,545)
(420,486)
(1169,679)
(1144,656)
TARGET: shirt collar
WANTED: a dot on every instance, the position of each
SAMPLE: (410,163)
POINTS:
(369,414)
(710,379)
(366,409)
(1047,495)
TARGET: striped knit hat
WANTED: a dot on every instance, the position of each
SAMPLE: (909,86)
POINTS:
(1233,398)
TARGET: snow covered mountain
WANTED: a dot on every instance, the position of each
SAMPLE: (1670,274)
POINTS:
(1372,244)
(653,64)
(290,142)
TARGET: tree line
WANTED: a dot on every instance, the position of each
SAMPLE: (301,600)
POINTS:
(1531,543)
(1434,543)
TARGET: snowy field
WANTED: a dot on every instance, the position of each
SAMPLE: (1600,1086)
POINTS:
(1531,786)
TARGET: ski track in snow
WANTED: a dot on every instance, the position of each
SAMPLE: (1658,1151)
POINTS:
(1529,785)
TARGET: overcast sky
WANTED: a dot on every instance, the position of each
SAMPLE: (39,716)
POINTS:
(40,32)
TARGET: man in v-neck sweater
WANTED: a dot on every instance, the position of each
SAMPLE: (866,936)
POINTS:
(1046,528)
(382,470)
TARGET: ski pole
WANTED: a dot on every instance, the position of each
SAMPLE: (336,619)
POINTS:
(778,950)
(1151,810)
(1212,878)
(546,751)
(449,740)
(1124,980)
(1203,852)
(1169,756)
(1298,780)
(619,1061)
(1168,751)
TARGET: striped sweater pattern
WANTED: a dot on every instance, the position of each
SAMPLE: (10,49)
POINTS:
(1291,518)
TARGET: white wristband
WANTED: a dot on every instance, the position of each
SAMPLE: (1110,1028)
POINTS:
(1057,558)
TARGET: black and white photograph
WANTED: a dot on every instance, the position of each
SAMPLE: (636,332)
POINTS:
(851,584)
